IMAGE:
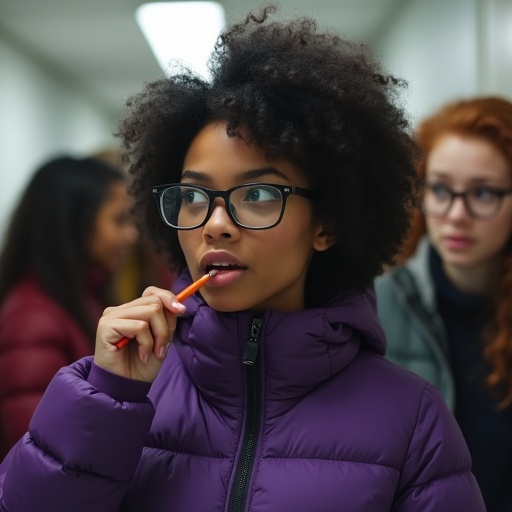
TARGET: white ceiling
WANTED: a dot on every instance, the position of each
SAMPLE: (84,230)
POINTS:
(97,45)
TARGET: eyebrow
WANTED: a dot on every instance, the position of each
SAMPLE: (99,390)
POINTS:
(248,175)
(483,180)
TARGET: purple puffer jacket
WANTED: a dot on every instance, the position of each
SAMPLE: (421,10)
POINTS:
(315,421)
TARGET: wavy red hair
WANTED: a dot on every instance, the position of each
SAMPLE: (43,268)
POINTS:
(488,118)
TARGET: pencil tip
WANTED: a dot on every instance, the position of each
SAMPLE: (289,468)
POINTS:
(212,272)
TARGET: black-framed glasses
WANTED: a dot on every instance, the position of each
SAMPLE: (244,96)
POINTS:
(482,202)
(250,206)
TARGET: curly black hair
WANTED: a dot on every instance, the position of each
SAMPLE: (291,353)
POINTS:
(316,99)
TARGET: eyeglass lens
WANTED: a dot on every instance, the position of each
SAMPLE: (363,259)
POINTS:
(255,206)
(480,202)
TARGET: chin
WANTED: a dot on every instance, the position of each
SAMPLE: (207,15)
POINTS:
(460,260)
(223,306)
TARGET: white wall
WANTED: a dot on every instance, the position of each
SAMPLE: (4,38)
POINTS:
(448,50)
(40,116)
(433,45)
(496,51)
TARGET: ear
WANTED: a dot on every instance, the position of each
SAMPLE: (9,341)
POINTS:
(324,238)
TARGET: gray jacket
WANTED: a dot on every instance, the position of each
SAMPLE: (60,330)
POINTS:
(406,304)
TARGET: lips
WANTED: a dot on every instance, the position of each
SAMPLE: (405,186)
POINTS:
(458,242)
(459,238)
(229,268)
(220,261)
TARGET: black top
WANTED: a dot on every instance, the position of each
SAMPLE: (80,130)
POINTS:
(487,430)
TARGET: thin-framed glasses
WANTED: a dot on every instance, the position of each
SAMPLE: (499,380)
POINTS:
(250,206)
(482,202)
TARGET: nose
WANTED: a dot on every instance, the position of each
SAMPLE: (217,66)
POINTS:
(220,225)
(458,210)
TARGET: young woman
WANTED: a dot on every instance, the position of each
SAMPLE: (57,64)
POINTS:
(447,311)
(290,176)
(68,234)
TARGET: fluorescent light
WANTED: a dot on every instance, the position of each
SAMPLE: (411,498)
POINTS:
(183,31)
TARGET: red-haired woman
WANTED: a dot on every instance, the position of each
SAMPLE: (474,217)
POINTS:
(447,310)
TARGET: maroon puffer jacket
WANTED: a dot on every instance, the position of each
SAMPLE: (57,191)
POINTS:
(37,337)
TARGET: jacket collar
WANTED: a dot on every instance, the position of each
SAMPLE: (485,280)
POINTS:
(419,267)
(298,350)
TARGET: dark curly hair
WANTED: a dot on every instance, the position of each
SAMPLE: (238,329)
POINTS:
(316,99)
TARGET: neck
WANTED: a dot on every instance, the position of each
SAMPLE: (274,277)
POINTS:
(480,280)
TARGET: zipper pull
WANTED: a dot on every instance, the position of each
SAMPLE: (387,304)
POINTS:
(251,348)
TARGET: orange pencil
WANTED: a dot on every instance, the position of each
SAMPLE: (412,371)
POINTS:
(184,294)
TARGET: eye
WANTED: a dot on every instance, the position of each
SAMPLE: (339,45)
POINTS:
(193,196)
(262,193)
(484,194)
(441,191)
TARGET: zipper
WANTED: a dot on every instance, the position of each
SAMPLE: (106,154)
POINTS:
(251,348)
(245,463)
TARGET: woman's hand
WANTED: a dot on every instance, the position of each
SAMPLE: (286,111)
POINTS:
(151,320)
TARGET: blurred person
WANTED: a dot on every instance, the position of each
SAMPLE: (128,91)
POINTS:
(447,311)
(289,174)
(70,231)
(143,266)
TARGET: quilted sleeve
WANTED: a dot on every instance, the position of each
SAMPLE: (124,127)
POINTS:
(436,475)
(29,359)
(83,446)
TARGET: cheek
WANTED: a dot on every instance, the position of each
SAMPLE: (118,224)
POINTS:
(433,225)
(100,242)
(110,234)
(500,232)
(296,243)
(189,241)
(107,238)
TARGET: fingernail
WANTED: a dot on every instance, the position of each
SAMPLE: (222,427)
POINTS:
(161,354)
(180,307)
(145,358)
